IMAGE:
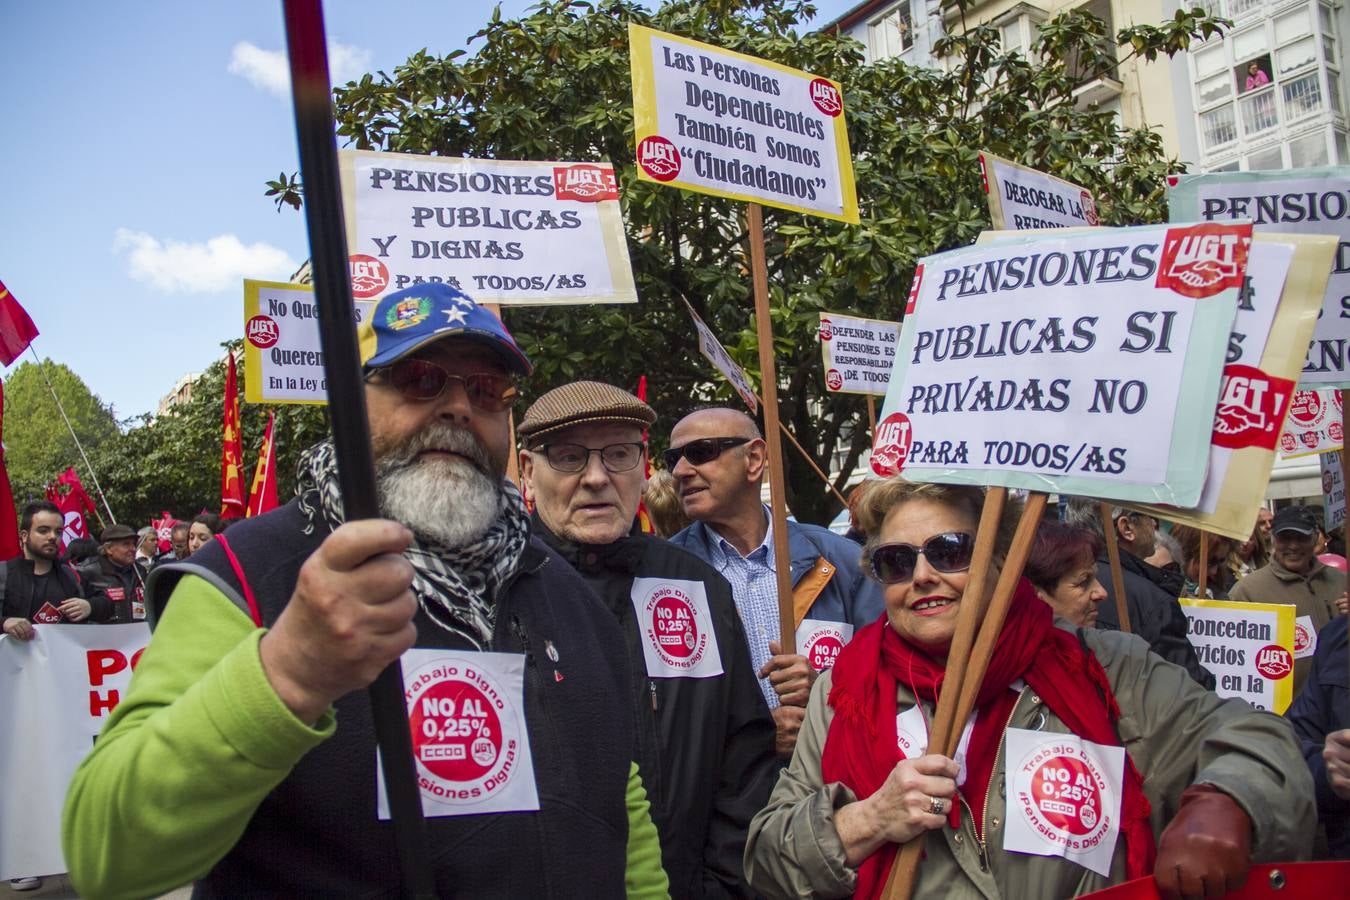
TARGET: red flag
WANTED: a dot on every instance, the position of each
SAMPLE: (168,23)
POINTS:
(16,329)
(71,479)
(262,495)
(644,517)
(9,524)
(232,451)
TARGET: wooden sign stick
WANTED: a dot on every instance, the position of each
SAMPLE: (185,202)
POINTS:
(1113,557)
(992,622)
(969,614)
(768,376)
(872,415)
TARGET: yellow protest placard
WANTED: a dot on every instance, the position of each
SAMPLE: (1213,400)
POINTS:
(1248,646)
(740,127)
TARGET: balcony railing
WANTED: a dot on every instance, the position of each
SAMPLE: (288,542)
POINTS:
(1219,126)
(1302,96)
(1258,111)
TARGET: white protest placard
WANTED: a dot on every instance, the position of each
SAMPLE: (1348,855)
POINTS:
(675,624)
(1301,201)
(1248,646)
(1023,199)
(1277,310)
(502,231)
(1086,363)
(1315,424)
(736,126)
(58,690)
(715,353)
(283,359)
(1333,490)
(858,353)
(1064,797)
(820,641)
(466,712)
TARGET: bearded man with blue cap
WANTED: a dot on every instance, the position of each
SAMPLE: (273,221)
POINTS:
(243,757)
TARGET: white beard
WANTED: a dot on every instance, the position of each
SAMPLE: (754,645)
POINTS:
(452,502)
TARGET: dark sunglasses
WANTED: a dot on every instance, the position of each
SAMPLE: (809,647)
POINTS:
(949,552)
(703,450)
(423,380)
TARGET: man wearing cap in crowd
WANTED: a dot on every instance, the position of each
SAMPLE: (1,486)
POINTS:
(719,459)
(114,573)
(705,737)
(1294,575)
(244,758)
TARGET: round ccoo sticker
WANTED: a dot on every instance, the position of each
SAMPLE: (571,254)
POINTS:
(674,625)
(463,732)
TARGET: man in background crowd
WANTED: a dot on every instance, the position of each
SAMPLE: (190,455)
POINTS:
(719,459)
(1154,612)
(705,738)
(1295,575)
(114,573)
(35,586)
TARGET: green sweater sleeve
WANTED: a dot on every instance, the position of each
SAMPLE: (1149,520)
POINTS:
(186,757)
(644,877)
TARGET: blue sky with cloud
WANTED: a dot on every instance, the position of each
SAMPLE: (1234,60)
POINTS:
(136,142)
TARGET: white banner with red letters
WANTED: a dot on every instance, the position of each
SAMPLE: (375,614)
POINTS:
(512,232)
(1248,646)
(56,691)
(1083,363)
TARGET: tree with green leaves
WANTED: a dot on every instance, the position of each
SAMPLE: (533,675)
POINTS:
(554,84)
(172,462)
(38,445)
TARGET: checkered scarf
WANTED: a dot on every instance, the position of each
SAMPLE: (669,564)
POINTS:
(456,586)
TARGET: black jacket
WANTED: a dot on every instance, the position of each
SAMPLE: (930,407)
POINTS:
(100,574)
(317,833)
(705,745)
(1155,615)
(24,593)
(1323,706)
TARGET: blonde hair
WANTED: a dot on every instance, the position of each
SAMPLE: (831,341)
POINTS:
(662,498)
(884,496)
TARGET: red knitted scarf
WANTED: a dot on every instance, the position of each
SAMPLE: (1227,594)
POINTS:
(861,747)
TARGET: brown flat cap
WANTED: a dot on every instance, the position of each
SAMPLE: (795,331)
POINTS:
(581,402)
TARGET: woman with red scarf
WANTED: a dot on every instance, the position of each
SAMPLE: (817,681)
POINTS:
(1088,761)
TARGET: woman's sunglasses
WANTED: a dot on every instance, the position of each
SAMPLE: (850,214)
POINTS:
(423,380)
(949,552)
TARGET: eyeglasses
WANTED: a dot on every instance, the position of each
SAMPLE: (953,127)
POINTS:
(573,458)
(948,552)
(703,450)
(422,380)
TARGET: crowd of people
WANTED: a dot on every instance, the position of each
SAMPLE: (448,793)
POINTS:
(677,747)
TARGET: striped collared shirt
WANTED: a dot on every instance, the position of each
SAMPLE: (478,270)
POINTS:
(755,589)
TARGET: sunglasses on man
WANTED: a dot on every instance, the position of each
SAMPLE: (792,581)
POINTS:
(947,552)
(422,380)
(703,450)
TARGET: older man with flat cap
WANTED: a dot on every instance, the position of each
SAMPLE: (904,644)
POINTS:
(244,757)
(705,736)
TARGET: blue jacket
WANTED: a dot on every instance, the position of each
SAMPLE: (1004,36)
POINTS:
(850,596)
(1323,706)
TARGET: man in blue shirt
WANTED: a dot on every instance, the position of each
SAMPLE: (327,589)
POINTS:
(718,458)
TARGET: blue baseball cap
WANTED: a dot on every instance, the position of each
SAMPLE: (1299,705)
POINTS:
(408,320)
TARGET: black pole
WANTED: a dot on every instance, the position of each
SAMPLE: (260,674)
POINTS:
(310,88)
